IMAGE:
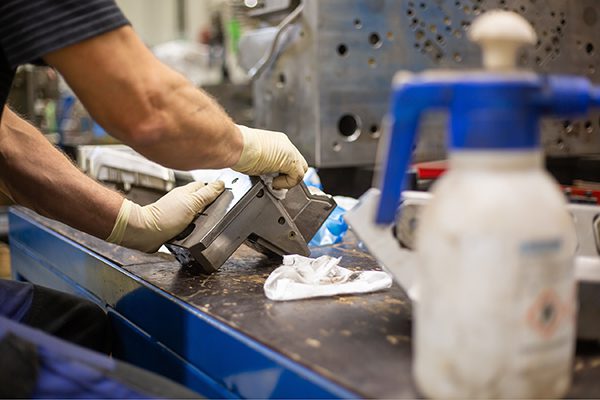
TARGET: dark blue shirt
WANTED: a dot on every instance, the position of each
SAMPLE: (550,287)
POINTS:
(29,29)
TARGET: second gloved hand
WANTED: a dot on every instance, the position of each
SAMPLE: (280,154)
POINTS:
(147,228)
(268,152)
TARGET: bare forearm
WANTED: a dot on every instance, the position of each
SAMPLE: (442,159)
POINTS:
(38,176)
(146,104)
(194,132)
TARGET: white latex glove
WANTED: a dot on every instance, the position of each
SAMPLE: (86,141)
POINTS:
(147,228)
(267,152)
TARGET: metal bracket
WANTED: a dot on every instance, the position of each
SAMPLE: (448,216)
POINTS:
(248,213)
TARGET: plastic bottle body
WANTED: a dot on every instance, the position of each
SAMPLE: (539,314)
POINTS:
(495,254)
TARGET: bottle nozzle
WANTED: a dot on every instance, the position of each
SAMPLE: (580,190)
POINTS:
(501,34)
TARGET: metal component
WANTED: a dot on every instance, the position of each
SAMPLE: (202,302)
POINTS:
(123,166)
(269,7)
(249,213)
(381,241)
(329,87)
(268,57)
(407,220)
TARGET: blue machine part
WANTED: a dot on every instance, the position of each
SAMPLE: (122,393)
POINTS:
(487,111)
(334,228)
(332,231)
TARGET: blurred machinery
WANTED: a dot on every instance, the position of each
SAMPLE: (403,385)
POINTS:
(35,94)
(324,76)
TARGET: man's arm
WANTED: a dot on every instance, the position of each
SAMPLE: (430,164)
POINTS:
(147,105)
(35,174)
(164,116)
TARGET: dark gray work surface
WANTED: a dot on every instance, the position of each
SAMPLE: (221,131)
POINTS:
(360,342)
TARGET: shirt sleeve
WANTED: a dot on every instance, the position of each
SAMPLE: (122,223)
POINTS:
(29,29)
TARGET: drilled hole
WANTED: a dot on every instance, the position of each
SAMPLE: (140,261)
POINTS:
(588,127)
(375,40)
(374,131)
(281,80)
(589,48)
(336,147)
(568,126)
(349,127)
(372,63)
(357,23)
(342,49)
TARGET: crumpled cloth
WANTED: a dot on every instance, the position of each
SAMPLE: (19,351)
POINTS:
(279,194)
(302,278)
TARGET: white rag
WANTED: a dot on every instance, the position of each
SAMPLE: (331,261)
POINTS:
(279,194)
(302,278)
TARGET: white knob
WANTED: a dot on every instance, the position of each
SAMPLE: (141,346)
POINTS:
(501,34)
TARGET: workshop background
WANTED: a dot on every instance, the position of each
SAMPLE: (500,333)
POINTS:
(320,71)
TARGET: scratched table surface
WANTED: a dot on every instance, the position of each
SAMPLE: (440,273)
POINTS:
(361,342)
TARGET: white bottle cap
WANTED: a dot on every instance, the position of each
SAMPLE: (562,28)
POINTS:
(501,34)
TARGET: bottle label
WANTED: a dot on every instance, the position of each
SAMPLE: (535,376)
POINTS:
(546,304)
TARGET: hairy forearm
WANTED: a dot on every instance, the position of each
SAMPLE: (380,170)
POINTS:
(193,131)
(146,104)
(38,176)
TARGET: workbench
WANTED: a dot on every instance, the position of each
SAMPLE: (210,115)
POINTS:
(220,335)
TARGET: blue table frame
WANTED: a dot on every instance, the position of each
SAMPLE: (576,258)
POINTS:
(175,339)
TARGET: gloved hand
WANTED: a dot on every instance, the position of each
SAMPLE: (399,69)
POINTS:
(147,228)
(267,152)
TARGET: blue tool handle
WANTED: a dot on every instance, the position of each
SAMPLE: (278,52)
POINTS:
(401,140)
(409,101)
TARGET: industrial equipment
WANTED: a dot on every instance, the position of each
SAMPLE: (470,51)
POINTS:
(326,82)
(248,212)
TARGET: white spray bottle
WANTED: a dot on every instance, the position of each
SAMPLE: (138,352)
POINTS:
(492,279)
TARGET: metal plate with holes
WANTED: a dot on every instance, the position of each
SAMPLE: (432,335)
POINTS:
(328,88)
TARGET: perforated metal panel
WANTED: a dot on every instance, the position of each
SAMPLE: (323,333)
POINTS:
(329,87)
